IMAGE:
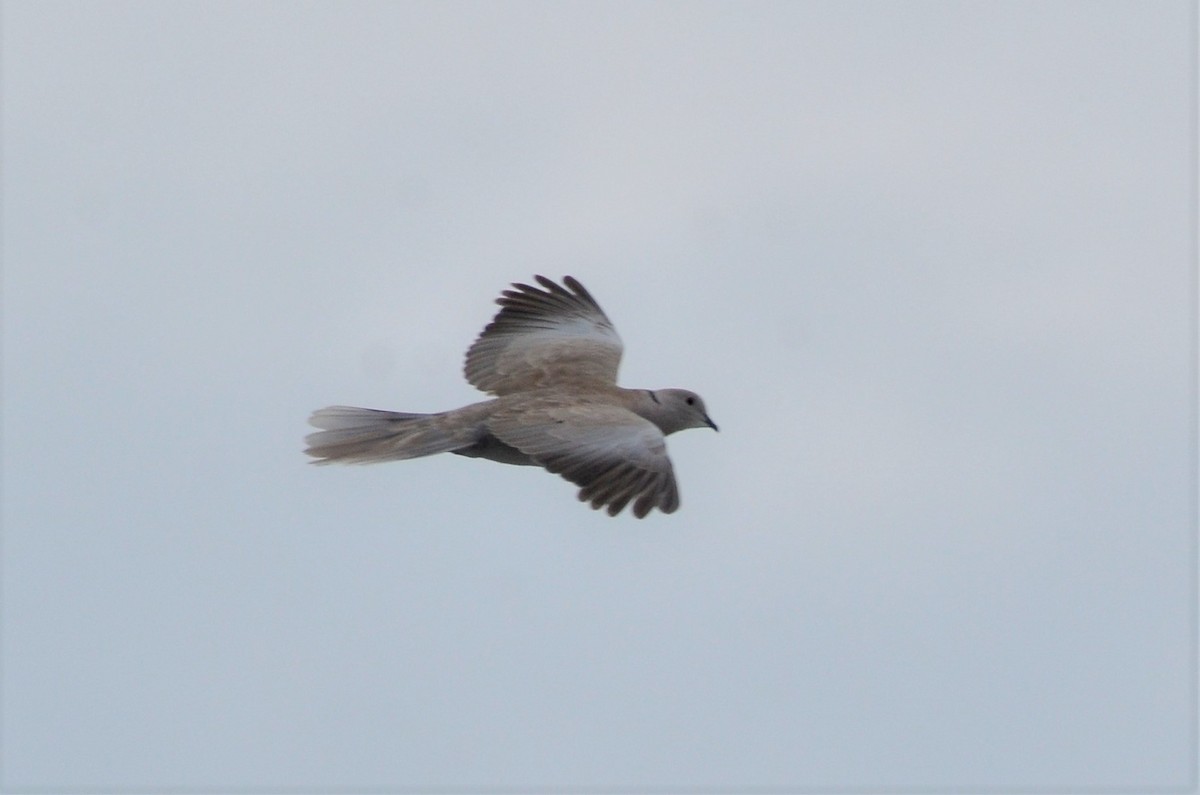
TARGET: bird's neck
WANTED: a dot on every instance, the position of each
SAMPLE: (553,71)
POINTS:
(649,406)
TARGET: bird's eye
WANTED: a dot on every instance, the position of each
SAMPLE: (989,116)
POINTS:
(691,401)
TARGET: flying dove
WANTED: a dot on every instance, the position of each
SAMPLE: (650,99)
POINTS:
(550,357)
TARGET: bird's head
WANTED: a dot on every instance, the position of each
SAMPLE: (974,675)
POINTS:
(682,409)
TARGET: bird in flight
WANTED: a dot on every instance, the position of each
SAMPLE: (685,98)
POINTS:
(550,358)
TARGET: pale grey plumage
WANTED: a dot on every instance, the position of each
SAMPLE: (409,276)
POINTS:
(541,338)
(550,356)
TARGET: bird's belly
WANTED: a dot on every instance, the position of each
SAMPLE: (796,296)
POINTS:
(493,449)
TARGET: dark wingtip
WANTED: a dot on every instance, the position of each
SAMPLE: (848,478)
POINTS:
(573,284)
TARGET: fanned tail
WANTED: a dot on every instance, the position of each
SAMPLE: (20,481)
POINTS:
(351,435)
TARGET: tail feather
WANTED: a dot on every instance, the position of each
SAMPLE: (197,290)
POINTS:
(364,436)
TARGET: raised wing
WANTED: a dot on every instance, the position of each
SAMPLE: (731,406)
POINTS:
(612,454)
(549,337)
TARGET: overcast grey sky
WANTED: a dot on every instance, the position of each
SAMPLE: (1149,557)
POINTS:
(928,263)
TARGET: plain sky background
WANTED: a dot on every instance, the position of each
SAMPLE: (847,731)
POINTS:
(930,265)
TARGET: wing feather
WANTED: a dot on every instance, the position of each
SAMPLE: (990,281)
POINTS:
(545,337)
(612,454)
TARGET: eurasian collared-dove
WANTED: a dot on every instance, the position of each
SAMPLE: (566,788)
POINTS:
(550,357)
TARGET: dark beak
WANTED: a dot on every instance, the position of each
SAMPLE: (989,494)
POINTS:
(708,421)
